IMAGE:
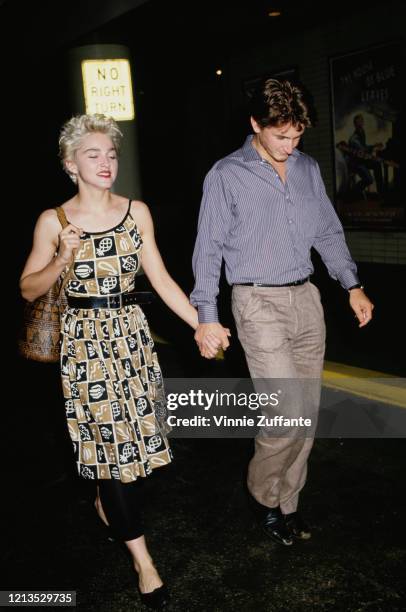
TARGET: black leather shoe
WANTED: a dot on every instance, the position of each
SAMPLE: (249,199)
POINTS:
(297,526)
(275,527)
(157,599)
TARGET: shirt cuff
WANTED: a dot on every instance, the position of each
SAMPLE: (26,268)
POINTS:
(348,279)
(207,313)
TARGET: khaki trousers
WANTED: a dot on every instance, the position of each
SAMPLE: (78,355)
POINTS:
(282,332)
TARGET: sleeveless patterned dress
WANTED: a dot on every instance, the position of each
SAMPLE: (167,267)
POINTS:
(111,379)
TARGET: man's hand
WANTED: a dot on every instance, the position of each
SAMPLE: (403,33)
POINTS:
(361,305)
(210,337)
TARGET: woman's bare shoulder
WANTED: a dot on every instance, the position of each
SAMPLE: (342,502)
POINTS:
(138,207)
(141,215)
(47,227)
(48,218)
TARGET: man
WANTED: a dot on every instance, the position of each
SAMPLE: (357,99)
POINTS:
(361,157)
(264,206)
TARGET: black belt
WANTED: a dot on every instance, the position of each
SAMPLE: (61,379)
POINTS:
(111,302)
(302,281)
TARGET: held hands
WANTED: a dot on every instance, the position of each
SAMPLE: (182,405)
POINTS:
(362,306)
(69,241)
(210,337)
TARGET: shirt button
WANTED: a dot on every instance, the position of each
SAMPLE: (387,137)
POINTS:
(290,221)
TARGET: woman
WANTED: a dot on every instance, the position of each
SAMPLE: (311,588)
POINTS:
(111,378)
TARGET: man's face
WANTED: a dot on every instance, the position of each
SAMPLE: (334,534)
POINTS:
(277,142)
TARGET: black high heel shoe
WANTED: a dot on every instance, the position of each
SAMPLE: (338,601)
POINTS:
(157,599)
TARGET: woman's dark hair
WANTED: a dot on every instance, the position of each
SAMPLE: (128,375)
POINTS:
(276,103)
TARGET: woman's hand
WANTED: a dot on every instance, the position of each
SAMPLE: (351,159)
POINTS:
(69,241)
(211,344)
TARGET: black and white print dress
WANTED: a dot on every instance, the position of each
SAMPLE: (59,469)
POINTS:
(112,382)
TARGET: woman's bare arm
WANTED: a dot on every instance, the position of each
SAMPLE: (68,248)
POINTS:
(160,279)
(155,269)
(42,267)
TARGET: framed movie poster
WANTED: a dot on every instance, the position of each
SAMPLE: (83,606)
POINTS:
(368,119)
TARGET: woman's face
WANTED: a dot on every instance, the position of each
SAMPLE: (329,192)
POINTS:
(95,161)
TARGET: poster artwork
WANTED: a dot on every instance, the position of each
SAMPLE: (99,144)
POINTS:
(368,119)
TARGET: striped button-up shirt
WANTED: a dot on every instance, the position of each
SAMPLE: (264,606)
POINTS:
(264,228)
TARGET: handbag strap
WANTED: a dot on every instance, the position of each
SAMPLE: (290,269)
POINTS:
(64,222)
(61,216)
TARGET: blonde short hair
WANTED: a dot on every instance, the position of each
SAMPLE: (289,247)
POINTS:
(74,130)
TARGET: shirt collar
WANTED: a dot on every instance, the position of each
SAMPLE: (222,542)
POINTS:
(248,151)
(251,154)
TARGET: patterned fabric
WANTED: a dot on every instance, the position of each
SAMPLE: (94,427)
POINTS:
(112,382)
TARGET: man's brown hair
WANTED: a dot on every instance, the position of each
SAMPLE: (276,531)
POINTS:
(277,103)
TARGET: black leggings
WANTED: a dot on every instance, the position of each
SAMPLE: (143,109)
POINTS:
(122,503)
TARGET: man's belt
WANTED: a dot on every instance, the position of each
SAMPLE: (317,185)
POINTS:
(301,281)
(111,302)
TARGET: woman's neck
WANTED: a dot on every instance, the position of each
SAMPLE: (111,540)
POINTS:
(93,199)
